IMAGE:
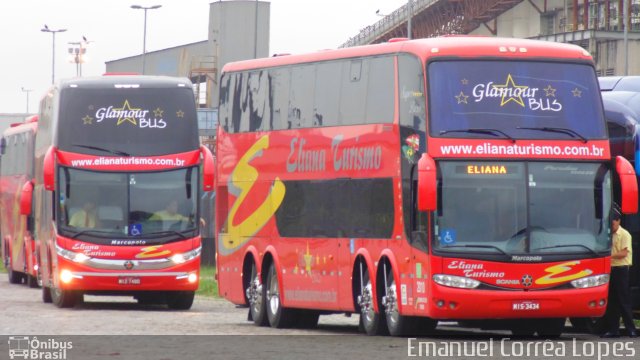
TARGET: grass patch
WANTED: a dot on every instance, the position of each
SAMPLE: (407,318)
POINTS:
(208,284)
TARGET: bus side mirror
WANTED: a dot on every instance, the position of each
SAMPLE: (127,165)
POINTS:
(49,169)
(26,197)
(628,186)
(427,184)
(207,168)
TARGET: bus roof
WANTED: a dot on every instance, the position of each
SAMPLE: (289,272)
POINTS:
(126,80)
(446,46)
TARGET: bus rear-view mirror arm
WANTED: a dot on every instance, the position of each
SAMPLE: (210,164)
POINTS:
(49,169)
(628,186)
(207,168)
(427,184)
(26,196)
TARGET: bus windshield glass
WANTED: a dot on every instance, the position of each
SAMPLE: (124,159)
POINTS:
(150,205)
(122,122)
(514,99)
(536,208)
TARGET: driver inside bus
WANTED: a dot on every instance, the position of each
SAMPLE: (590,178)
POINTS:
(170,213)
(86,217)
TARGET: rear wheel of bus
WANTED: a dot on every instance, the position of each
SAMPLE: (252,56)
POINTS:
(255,297)
(371,322)
(180,300)
(279,317)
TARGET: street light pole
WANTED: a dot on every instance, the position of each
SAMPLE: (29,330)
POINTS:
(144,36)
(53,50)
(27,91)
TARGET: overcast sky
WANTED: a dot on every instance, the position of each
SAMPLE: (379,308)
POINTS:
(115,31)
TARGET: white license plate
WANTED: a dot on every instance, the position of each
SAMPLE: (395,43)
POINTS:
(128,280)
(525,306)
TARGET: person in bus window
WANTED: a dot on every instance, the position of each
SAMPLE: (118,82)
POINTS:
(619,294)
(170,213)
(86,217)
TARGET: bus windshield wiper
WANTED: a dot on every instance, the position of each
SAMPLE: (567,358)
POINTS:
(570,132)
(115,152)
(494,132)
(166,232)
(477,246)
(94,232)
(568,245)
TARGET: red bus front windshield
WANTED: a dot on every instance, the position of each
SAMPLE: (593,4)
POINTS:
(503,208)
(131,208)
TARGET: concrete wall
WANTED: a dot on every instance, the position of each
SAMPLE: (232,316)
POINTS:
(174,61)
(234,34)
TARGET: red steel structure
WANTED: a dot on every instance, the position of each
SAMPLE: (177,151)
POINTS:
(461,178)
(118,175)
(18,246)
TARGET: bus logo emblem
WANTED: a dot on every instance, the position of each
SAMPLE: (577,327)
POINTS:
(527,280)
(128,265)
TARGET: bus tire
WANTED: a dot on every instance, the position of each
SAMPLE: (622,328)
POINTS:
(64,298)
(398,325)
(255,294)
(279,317)
(180,300)
(371,323)
(46,295)
(550,328)
(33,282)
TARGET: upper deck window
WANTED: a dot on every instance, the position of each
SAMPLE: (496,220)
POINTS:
(142,122)
(520,99)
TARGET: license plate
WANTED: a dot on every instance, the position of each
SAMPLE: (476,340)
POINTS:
(128,280)
(525,306)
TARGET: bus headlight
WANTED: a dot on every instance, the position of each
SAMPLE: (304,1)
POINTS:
(70,255)
(456,281)
(184,257)
(66,276)
(590,281)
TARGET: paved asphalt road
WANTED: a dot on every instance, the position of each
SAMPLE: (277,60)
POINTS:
(117,328)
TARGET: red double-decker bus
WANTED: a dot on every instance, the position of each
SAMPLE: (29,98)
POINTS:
(118,174)
(16,172)
(461,178)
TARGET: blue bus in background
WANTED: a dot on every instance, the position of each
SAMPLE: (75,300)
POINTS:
(621,99)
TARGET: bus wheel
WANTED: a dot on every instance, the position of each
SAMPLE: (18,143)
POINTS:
(397,324)
(46,295)
(255,295)
(550,328)
(64,298)
(180,300)
(371,322)
(278,316)
(14,277)
(32,281)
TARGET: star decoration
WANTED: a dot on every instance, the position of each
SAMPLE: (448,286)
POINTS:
(87,120)
(550,91)
(158,112)
(126,107)
(462,98)
(510,84)
(464,81)
(180,113)
(576,92)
